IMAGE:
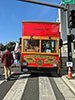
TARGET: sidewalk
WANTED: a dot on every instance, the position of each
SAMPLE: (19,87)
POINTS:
(69,82)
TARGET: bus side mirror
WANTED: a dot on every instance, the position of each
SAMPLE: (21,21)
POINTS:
(60,43)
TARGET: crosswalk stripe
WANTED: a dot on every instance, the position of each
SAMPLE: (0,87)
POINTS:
(16,91)
(64,89)
(1,81)
(45,89)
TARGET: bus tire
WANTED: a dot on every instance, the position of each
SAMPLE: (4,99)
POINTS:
(21,68)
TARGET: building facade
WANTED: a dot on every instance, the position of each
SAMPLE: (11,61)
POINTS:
(64,30)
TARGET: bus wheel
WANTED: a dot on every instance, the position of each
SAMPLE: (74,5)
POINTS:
(21,68)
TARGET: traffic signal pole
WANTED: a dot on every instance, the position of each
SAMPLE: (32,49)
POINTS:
(68,34)
(45,4)
(69,62)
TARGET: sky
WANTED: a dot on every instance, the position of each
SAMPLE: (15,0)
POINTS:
(14,12)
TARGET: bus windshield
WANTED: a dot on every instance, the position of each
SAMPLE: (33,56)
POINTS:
(43,46)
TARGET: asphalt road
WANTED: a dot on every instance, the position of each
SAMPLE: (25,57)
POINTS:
(34,85)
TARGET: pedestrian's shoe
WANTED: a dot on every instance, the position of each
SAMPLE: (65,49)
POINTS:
(7,79)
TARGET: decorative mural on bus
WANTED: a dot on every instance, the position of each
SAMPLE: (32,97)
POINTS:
(40,59)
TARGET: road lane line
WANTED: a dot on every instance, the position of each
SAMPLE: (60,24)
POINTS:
(16,91)
(45,89)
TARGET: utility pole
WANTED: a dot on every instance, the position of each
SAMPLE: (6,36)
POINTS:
(70,21)
(69,62)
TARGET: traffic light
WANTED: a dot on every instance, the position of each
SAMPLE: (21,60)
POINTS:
(71,38)
(72,19)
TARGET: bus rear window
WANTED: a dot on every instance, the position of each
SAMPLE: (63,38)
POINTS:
(31,45)
(43,46)
(48,46)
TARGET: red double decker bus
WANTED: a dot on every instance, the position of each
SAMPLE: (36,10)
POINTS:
(40,44)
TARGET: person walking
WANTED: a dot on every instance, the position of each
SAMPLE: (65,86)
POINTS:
(17,54)
(7,60)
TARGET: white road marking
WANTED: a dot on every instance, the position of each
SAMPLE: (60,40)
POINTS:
(66,92)
(1,81)
(45,89)
(16,91)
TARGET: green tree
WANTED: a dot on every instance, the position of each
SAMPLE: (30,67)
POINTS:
(2,47)
(11,45)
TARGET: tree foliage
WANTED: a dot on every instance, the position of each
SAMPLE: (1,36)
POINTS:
(2,47)
(10,45)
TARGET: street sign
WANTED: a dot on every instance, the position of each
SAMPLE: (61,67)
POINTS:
(69,64)
(68,1)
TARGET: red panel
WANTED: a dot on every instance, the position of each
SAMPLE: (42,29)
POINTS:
(40,29)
